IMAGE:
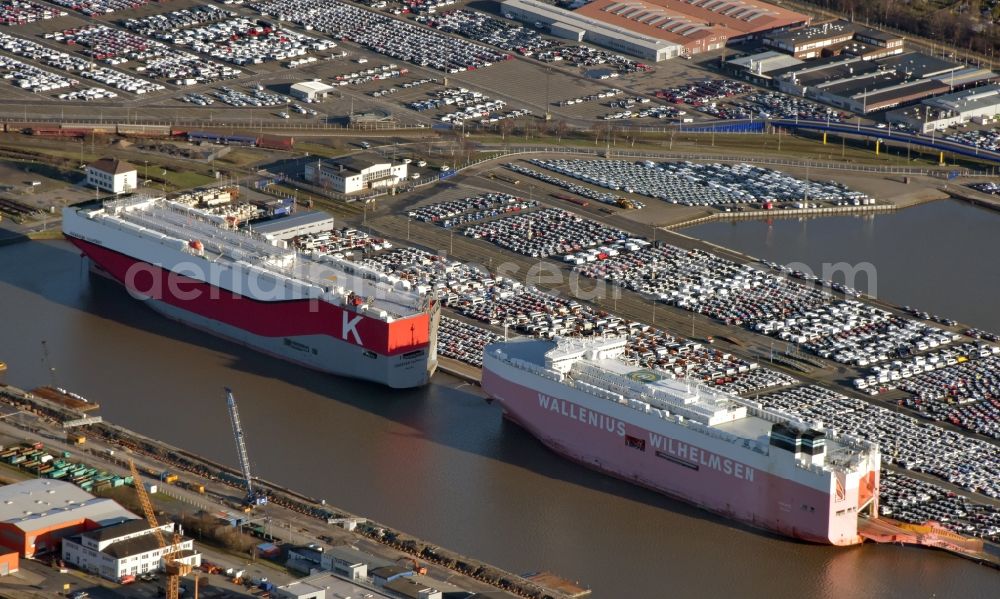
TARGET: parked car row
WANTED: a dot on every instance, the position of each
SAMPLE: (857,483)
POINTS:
(186,17)
(599,196)
(159,60)
(981,138)
(458,97)
(386,71)
(96,8)
(546,232)
(904,440)
(737,294)
(383,34)
(23,12)
(199,99)
(587,56)
(418,83)
(601,95)
(981,334)
(340,243)
(245,41)
(464,342)
(88,94)
(76,64)
(700,93)
(694,184)
(963,392)
(916,501)
(883,376)
(857,333)
(988,187)
(471,209)
(489,30)
(32,78)
(773,105)
(652,112)
(256,97)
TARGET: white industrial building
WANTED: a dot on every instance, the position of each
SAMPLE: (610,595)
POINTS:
(358,172)
(979,104)
(310,91)
(111,174)
(283,228)
(127,549)
(577,27)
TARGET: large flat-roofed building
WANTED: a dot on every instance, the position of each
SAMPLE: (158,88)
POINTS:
(580,27)
(696,25)
(980,104)
(354,173)
(864,86)
(834,37)
(300,223)
(35,515)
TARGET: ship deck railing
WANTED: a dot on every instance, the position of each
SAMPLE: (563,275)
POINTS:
(187,224)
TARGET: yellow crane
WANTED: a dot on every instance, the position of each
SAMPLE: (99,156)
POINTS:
(173,568)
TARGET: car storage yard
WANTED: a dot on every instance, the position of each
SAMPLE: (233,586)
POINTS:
(150,56)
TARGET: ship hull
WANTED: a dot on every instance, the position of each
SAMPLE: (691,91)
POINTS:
(668,461)
(277,327)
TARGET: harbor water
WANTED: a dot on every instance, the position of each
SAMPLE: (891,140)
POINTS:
(938,257)
(439,462)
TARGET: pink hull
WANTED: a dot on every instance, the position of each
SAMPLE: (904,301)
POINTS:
(739,492)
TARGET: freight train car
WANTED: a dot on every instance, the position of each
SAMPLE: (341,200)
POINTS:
(275,142)
(144,130)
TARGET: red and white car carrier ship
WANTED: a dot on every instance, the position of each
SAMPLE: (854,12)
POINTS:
(715,450)
(327,314)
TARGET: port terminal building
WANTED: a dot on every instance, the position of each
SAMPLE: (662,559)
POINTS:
(580,27)
(979,104)
(355,173)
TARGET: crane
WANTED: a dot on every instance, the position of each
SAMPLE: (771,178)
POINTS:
(173,568)
(254,497)
(45,363)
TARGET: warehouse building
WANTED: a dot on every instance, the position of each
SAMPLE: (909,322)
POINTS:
(111,174)
(127,549)
(864,86)
(357,172)
(833,38)
(310,91)
(979,104)
(695,25)
(280,230)
(579,27)
(35,515)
